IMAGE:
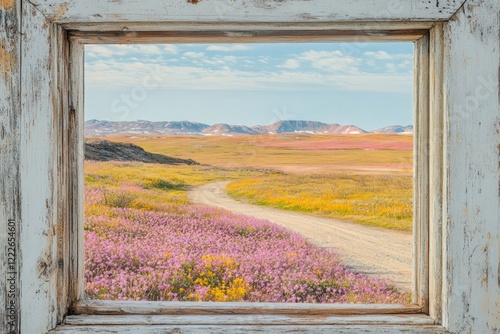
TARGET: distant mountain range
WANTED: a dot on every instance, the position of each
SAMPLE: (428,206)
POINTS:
(102,128)
(395,129)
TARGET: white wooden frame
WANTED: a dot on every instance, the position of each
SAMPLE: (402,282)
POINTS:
(457,196)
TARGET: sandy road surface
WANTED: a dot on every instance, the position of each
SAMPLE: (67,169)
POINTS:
(373,251)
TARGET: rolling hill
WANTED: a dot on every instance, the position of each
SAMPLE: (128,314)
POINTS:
(104,128)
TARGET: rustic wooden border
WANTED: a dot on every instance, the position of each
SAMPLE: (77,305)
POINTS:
(255,11)
(464,140)
(102,307)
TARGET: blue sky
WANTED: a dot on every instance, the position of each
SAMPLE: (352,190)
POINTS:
(366,84)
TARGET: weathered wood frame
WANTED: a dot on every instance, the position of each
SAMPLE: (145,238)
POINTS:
(243,33)
(42,149)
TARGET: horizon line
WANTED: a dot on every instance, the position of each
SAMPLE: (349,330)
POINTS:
(222,123)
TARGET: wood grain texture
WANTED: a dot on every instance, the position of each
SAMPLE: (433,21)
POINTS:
(421,174)
(38,166)
(283,33)
(76,183)
(226,28)
(64,205)
(471,299)
(245,329)
(246,11)
(103,307)
(260,319)
(10,103)
(436,117)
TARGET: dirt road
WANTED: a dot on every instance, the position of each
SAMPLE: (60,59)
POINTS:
(373,251)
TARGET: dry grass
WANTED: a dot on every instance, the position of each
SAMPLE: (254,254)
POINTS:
(255,151)
(123,183)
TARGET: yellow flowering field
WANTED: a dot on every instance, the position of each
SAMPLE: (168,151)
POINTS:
(377,200)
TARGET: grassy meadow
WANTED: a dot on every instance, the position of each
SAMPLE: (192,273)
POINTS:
(145,241)
(161,186)
(296,153)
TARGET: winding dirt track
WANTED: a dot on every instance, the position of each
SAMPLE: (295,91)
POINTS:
(373,251)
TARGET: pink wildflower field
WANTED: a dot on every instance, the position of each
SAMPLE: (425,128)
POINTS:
(186,252)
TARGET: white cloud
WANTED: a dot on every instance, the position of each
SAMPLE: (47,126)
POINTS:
(310,70)
(109,73)
(228,48)
(391,67)
(194,54)
(405,64)
(98,67)
(374,82)
(263,60)
(290,64)
(98,51)
(220,61)
(383,55)
(170,48)
(107,51)
(230,59)
(332,61)
(149,49)
(215,61)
